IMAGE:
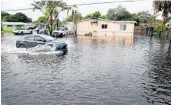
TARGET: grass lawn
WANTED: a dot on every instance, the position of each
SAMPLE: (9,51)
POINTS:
(7,30)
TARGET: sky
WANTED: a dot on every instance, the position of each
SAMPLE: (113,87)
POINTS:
(133,7)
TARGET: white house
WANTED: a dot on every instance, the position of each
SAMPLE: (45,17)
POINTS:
(102,27)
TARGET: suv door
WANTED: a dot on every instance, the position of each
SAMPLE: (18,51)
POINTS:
(39,40)
(29,41)
(26,30)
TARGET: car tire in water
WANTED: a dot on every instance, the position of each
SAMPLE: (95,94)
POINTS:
(22,46)
(22,33)
(61,35)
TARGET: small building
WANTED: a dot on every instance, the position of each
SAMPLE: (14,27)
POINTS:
(69,25)
(13,24)
(102,27)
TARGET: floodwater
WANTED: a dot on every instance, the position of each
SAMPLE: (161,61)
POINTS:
(119,71)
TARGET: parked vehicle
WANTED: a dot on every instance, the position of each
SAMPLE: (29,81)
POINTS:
(57,34)
(34,40)
(70,27)
(32,27)
(22,31)
(60,32)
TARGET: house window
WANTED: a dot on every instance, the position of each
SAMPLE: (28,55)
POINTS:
(104,26)
(123,27)
(9,25)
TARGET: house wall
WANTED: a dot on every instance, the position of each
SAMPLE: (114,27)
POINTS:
(113,29)
(83,27)
(128,32)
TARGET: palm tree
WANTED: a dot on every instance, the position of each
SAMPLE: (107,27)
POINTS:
(50,10)
(73,9)
(61,7)
(164,6)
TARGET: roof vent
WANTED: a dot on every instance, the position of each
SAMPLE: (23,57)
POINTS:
(94,20)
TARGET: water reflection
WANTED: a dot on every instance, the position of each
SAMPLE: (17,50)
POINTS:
(157,81)
(124,40)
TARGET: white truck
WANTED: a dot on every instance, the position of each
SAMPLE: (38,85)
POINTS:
(60,32)
(22,31)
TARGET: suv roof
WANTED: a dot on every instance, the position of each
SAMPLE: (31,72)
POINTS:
(48,38)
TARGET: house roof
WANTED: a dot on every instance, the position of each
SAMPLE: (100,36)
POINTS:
(98,19)
(109,21)
(13,23)
(125,22)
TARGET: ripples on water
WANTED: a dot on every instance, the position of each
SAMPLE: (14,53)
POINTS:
(94,72)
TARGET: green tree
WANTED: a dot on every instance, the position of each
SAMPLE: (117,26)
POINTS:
(111,14)
(77,17)
(8,18)
(41,19)
(20,17)
(72,8)
(96,14)
(88,16)
(119,13)
(29,19)
(134,17)
(3,14)
(50,10)
(143,15)
(165,7)
(103,17)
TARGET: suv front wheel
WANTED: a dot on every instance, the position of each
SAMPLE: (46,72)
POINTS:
(22,46)
(21,32)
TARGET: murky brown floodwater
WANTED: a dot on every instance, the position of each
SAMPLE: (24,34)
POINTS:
(121,71)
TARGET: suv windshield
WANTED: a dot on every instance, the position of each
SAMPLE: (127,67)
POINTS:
(19,28)
(47,38)
(60,29)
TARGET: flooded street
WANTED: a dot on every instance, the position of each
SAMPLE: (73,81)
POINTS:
(119,71)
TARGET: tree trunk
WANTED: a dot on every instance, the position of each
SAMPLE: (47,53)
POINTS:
(75,28)
(74,23)
(51,25)
(57,24)
(51,30)
(169,50)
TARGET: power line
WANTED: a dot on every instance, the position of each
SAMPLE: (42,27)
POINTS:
(83,4)
(107,2)
(19,9)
